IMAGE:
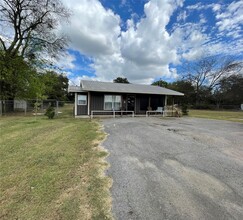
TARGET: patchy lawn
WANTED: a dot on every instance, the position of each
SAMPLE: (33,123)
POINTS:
(52,169)
(236,116)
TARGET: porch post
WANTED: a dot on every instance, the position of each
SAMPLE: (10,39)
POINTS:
(172,106)
(149,102)
(88,103)
(165,100)
(75,104)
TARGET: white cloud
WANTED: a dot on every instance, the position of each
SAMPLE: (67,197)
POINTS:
(75,80)
(65,61)
(182,16)
(93,29)
(230,21)
(147,46)
(145,50)
(216,7)
(141,53)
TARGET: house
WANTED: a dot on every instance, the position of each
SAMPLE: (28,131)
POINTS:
(106,98)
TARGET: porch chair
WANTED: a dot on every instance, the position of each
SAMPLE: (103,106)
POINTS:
(160,110)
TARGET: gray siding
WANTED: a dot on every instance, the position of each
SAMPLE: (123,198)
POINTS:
(141,102)
(82,110)
(96,101)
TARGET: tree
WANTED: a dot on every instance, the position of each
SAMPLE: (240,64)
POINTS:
(160,83)
(120,80)
(208,72)
(56,85)
(185,87)
(18,79)
(32,23)
(230,90)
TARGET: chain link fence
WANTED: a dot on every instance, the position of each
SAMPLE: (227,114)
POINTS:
(35,107)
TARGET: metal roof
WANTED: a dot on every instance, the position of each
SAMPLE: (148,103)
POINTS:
(97,86)
(74,89)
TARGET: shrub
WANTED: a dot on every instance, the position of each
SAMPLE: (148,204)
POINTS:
(50,112)
(184,110)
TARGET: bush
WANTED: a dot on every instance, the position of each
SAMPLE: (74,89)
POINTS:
(50,112)
(184,109)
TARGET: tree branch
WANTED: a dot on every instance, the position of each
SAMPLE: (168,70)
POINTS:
(3,44)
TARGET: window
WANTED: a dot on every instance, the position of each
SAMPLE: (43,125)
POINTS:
(112,102)
(82,99)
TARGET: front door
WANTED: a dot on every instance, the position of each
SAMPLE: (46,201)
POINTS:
(131,102)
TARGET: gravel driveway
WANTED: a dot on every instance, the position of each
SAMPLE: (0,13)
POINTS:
(181,168)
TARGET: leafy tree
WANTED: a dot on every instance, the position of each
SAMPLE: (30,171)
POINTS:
(185,87)
(18,79)
(120,80)
(33,25)
(160,83)
(56,85)
(230,90)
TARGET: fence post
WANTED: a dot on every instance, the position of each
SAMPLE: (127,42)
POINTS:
(56,107)
(1,108)
(25,109)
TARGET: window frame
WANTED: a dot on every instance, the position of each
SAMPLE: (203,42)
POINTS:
(112,102)
(84,95)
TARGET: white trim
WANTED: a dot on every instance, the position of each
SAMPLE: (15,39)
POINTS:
(83,100)
(114,113)
(112,103)
(76,103)
(88,103)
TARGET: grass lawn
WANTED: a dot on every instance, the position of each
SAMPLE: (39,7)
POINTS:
(236,116)
(52,169)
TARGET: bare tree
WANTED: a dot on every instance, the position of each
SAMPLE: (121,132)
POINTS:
(32,24)
(207,72)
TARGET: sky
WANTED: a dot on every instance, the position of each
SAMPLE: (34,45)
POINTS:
(147,40)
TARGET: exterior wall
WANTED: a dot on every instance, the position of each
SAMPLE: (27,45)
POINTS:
(96,101)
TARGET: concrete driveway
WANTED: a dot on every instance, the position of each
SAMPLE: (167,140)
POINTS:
(182,168)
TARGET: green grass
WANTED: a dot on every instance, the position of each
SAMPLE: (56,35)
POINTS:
(52,169)
(236,116)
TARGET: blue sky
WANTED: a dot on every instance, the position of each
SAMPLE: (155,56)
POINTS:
(145,40)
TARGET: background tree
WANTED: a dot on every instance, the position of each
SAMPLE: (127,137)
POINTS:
(56,85)
(208,71)
(185,87)
(120,80)
(17,78)
(32,25)
(160,83)
(230,90)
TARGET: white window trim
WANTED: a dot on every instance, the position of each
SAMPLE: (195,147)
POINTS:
(83,100)
(112,105)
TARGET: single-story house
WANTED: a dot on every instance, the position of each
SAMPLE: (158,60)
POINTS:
(103,98)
